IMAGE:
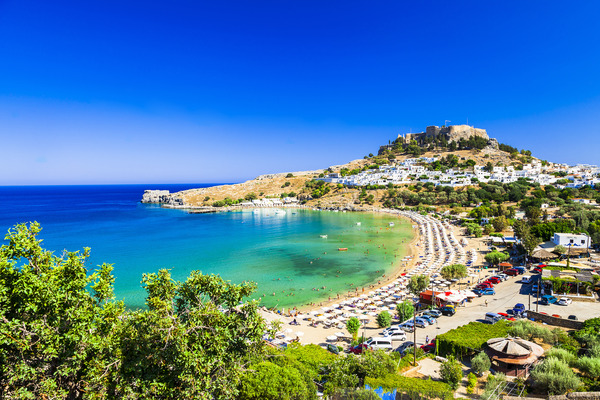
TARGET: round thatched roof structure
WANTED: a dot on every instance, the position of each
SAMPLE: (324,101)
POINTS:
(517,351)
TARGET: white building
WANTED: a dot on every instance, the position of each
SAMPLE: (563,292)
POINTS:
(571,239)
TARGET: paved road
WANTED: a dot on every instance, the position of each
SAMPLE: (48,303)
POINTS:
(508,293)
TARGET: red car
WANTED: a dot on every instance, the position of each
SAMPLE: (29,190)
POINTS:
(506,316)
(494,280)
(538,270)
(429,347)
(359,348)
(512,272)
(484,285)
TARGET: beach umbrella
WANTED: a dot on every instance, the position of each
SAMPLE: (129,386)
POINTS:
(364,318)
(321,317)
(340,334)
(288,330)
(299,334)
(372,314)
(326,309)
(313,312)
(335,306)
(288,339)
(332,338)
(379,303)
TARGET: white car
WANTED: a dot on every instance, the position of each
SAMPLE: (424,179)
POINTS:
(396,335)
(391,329)
(564,301)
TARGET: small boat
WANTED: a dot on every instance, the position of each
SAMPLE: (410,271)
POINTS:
(391,224)
(342,249)
(323,236)
(358,223)
(280,212)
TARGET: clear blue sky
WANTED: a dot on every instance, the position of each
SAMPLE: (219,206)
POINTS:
(221,91)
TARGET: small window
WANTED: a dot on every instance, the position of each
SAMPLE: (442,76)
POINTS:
(583,242)
(571,240)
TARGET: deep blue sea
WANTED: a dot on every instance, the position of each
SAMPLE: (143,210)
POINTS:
(284,254)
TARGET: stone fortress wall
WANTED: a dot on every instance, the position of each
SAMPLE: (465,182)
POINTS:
(452,133)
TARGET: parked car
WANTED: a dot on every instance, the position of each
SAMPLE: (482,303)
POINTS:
(484,285)
(421,323)
(429,347)
(495,280)
(358,349)
(376,343)
(548,299)
(408,326)
(448,311)
(511,272)
(396,335)
(519,308)
(526,279)
(520,270)
(556,315)
(492,318)
(506,316)
(503,276)
(332,348)
(404,347)
(564,301)
(485,292)
(573,317)
(428,318)
(391,329)
(434,313)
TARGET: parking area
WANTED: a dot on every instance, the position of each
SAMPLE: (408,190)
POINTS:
(508,293)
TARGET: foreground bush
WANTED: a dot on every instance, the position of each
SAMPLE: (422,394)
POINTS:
(481,363)
(451,372)
(469,338)
(553,376)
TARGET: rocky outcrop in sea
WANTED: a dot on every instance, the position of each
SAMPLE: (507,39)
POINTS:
(161,197)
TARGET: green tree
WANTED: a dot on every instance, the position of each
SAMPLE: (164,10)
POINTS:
(405,310)
(352,326)
(529,243)
(481,363)
(560,249)
(500,223)
(417,284)
(495,257)
(451,372)
(554,376)
(384,319)
(251,196)
(454,271)
(267,380)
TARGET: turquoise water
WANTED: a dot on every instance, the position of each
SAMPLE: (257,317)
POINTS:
(284,254)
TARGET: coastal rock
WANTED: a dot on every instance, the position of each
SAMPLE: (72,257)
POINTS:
(156,196)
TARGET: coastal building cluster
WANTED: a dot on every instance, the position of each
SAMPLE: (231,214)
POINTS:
(415,170)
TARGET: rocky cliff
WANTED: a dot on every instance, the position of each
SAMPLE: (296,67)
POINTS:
(161,197)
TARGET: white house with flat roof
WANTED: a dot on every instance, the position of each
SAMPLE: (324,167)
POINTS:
(572,239)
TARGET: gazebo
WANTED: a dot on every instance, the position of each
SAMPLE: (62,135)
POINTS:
(513,356)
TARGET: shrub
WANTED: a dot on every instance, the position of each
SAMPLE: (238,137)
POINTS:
(472,382)
(290,175)
(405,310)
(414,388)
(588,366)
(451,372)
(355,394)
(529,330)
(491,386)
(352,326)
(562,354)
(481,363)
(384,319)
(554,376)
